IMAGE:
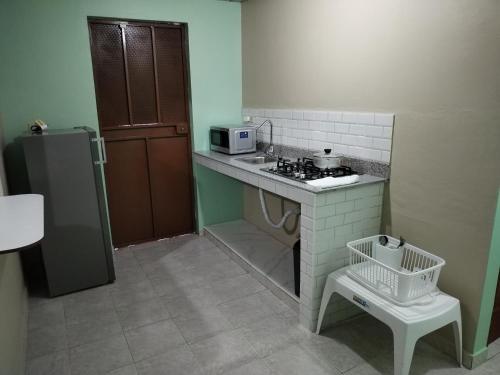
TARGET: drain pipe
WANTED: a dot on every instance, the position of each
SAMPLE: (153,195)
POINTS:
(280,224)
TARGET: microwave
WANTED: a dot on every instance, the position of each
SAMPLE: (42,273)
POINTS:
(233,140)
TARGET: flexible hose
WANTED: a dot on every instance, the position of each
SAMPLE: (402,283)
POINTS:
(266,214)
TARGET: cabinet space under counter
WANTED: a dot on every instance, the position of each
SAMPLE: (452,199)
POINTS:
(329,218)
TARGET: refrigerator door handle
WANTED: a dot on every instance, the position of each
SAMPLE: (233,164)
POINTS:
(100,150)
(103,149)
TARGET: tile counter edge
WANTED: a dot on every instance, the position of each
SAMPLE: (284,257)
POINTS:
(251,174)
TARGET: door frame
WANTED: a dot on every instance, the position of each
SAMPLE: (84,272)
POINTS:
(183,26)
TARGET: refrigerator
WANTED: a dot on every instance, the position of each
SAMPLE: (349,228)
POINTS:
(66,167)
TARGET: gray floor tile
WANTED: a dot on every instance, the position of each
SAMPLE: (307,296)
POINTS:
(491,367)
(127,370)
(426,361)
(92,327)
(46,340)
(191,245)
(142,313)
(367,326)
(223,352)
(124,259)
(186,256)
(46,314)
(50,364)
(273,333)
(429,361)
(295,361)
(100,357)
(236,287)
(172,287)
(164,268)
(257,367)
(152,253)
(194,300)
(373,367)
(355,341)
(249,309)
(87,302)
(144,245)
(331,352)
(127,276)
(214,272)
(206,296)
(178,361)
(494,348)
(153,339)
(208,321)
(130,294)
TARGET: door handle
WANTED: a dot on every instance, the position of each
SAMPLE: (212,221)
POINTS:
(181,128)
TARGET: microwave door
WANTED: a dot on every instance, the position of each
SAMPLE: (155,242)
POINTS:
(219,140)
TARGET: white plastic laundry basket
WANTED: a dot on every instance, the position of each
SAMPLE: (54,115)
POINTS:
(400,274)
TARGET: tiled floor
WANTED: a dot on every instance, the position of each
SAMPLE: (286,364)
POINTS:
(181,306)
(264,252)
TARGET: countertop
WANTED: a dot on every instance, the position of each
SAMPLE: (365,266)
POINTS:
(232,161)
(21,221)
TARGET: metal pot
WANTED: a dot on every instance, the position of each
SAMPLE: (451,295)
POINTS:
(326,159)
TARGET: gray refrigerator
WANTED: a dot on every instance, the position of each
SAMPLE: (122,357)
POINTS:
(65,166)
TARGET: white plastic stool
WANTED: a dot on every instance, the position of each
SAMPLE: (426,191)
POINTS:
(408,324)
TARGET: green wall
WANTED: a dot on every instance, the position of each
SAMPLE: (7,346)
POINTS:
(490,285)
(46,69)
(46,72)
(220,198)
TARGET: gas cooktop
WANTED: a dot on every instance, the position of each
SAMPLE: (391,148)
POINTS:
(304,170)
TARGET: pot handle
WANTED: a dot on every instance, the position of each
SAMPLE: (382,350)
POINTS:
(327,150)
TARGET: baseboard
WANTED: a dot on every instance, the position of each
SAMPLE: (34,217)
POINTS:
(472,361)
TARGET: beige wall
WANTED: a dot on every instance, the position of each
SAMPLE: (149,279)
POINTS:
(433,63)
(13,305)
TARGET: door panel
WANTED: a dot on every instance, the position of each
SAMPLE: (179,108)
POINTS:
(170,63)
(129,198)
(171,191)
(141,74)
(109,75)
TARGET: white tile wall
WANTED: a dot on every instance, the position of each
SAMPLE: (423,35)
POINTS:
(335,218)
(364,135)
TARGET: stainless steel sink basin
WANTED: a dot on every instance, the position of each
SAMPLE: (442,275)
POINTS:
(262,159)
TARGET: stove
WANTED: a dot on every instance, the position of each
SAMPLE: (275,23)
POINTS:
(304,170)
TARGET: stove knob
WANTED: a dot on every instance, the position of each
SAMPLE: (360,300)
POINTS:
(302,176)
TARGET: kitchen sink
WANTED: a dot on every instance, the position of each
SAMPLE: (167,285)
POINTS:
(262,159)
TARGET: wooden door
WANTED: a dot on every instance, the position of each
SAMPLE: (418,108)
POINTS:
(140,76)
(495,318)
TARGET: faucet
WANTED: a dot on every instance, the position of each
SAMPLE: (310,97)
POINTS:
(269,149)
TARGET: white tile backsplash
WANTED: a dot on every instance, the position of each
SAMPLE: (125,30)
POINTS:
(365,135)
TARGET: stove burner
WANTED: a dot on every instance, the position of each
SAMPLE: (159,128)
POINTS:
(304,170)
